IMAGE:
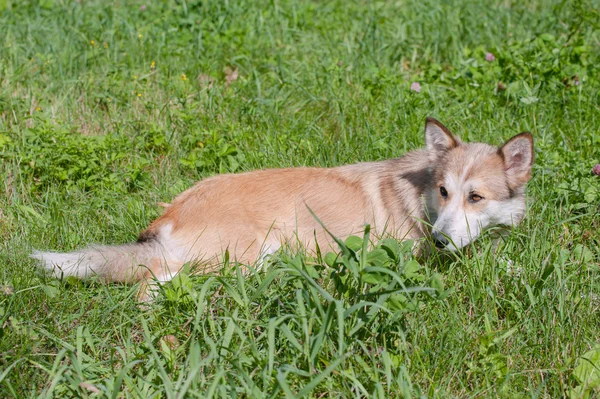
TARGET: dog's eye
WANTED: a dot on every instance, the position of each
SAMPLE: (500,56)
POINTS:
(475,197)
(443,192)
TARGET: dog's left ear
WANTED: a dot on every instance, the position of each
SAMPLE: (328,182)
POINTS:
(518,159)
(438,138)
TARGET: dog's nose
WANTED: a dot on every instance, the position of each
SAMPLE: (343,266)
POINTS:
(440,241)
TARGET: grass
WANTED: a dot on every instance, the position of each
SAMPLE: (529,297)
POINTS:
(108,108)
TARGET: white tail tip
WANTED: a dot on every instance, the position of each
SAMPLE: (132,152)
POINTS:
(67,264)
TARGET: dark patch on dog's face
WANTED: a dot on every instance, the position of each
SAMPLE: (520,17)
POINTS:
(417,178)
(147,235)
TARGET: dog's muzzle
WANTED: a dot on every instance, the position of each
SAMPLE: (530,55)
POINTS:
(439,240)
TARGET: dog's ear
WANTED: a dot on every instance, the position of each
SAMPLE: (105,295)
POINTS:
(438,138)
(518,159)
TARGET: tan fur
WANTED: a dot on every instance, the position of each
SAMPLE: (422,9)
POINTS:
(250,215)
(246,212)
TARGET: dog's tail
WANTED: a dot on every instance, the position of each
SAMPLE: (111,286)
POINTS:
(127,263)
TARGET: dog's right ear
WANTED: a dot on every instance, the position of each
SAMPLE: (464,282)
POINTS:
(438,138)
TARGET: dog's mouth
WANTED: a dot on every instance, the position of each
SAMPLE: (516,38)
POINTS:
(440,241)
(444,242)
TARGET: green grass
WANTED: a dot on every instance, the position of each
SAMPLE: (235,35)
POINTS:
(107,108)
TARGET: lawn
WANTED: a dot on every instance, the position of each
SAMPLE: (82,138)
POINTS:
(108,108)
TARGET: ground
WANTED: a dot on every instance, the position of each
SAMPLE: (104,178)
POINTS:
(108,108)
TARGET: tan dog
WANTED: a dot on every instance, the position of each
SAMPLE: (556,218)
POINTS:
(461,189)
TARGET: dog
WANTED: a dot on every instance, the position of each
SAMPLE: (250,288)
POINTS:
(450,191)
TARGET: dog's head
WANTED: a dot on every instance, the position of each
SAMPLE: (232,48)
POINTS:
(475,185)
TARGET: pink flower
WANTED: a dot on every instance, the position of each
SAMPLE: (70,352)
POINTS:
(415,86)
(490,57)
(596,169)
(142,8)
